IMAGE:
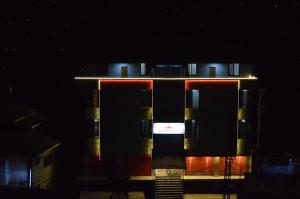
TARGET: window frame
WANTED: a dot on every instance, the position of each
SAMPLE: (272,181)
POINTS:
(235,71)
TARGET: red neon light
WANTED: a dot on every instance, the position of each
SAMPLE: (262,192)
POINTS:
(148,82)
(205,81)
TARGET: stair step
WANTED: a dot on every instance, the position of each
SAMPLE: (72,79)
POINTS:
(168,188)
(171,184)
(168,183)
(160,195)
(168,180)
(168,193)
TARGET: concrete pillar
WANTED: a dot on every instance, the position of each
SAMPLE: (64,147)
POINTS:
(216,166)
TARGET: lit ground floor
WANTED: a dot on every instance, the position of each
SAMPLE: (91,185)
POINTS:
(185,177)
(204,167)
(145,186)
(141,195)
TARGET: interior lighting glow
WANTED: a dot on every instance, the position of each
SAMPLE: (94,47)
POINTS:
(210,81)
(168,128)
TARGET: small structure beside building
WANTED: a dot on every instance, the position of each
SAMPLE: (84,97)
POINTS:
(27,154)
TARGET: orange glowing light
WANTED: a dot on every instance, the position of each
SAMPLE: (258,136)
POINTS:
(188,83)
(149,83)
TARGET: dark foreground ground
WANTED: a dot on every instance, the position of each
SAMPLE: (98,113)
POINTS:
(254,187)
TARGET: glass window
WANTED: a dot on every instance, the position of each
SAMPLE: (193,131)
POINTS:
(96,131)
(192,69)
(195,98)
(234,69)
(244,97)
(171,70)
(192,98)
(191,130)
(146,128)
(143,69)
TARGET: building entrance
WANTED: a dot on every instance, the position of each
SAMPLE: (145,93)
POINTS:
(169,172)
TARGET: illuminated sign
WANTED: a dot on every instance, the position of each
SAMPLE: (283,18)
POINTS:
(168,128)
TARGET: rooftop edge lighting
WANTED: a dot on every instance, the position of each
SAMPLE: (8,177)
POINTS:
(166,78)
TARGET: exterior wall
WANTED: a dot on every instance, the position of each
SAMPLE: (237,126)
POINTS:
(216,118)
(121,114)
(134,69)
(284,166)
(247,117)
(3,172)
(17,171)
(216,165)
(93,119)
(43,177)
(221,69)
(246,70)
(285,170)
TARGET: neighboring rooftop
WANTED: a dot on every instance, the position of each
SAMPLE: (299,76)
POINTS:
(10,113)
(21,131)
(28,143)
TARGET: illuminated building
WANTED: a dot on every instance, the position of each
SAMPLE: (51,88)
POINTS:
(27,154)
(183,119)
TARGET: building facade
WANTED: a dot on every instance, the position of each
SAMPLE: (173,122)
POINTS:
(186,119)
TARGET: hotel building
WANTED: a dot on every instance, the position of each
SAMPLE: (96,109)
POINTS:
(190,120)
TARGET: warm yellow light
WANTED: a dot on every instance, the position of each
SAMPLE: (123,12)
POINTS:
(166,78)
(186,144)
(252,77)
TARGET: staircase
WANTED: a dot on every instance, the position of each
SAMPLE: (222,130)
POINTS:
(168,187)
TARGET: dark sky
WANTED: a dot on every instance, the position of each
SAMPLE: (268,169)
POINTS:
(43,44)
(67,30)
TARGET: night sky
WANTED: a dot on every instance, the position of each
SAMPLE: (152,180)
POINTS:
(44,43)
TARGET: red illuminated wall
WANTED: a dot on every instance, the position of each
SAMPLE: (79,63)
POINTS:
(199,165)
(133,83)
(211,84)
(205,166)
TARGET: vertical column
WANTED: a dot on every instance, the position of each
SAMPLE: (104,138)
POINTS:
(93,139)
(248,164)
(242,121)
(216,166)
(93,114)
